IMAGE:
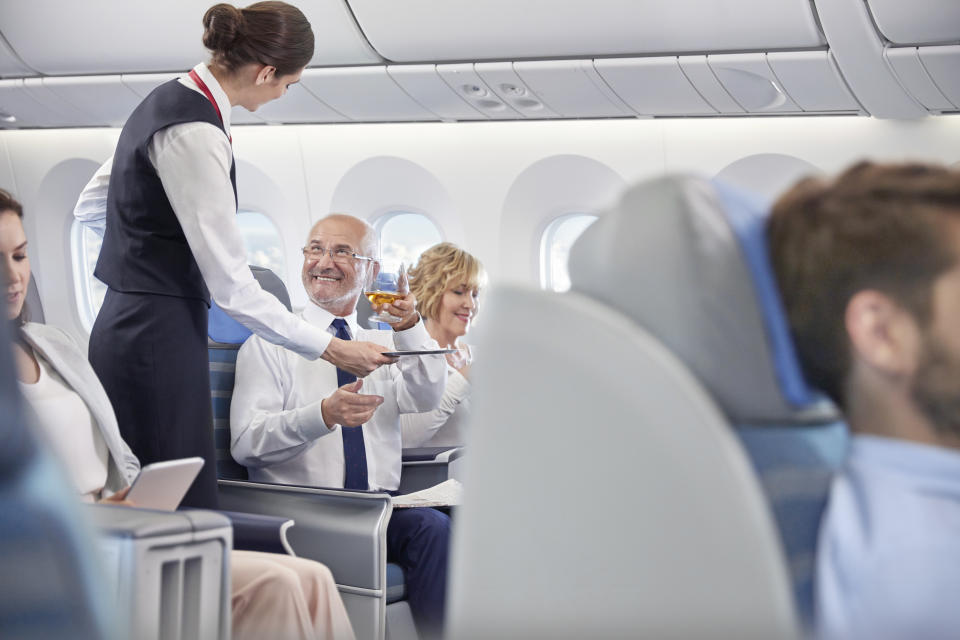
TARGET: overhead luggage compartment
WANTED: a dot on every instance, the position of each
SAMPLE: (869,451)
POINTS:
(454,30)
(112,36)
(917,21)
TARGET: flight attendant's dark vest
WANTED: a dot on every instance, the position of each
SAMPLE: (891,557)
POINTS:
(144,249)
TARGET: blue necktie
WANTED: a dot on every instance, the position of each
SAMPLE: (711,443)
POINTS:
(354,451)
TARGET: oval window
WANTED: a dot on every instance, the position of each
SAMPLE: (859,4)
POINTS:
(404,236)
(555,245)
(263,242)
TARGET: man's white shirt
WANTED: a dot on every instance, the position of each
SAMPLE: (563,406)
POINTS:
(193,161)
(277,429)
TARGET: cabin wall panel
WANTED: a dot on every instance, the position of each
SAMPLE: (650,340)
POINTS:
(292,173)
(50,168)
(271,181)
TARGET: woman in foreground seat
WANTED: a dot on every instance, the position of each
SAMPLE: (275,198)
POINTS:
(272,596)
(447,282)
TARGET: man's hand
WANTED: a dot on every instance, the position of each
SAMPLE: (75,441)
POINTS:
(358,357)
(348,408)
(404,308)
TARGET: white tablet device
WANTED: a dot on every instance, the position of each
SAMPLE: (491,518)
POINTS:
(162,485)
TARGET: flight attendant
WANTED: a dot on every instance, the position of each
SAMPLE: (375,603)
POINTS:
(171,242)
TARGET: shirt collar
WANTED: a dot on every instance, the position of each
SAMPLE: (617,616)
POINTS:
(218,93)
(912,458)
(320,317)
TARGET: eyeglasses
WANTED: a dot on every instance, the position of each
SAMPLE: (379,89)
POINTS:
(340,255)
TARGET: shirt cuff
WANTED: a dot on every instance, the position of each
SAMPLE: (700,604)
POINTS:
(310,419)
(414,338)
(311,340)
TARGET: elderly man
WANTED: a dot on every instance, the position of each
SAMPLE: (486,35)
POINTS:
(298,421)
(869,268)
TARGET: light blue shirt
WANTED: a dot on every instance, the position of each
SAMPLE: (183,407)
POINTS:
(888,558)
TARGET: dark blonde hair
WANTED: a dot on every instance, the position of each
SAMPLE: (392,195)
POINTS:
(881,227)
(439,267)
(272,33)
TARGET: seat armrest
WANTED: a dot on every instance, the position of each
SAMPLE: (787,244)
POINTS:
(426,466)
(428,455)
(345,530)
(257,532)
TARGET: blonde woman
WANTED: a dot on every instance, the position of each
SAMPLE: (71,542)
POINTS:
(446,282)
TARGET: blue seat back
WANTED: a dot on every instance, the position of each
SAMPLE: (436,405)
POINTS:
(225,337)
(702,283)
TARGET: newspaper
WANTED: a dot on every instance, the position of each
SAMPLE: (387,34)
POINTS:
(446,494)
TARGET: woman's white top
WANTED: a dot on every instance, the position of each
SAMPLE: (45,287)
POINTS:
(445,426)
(193,162)
(69,428)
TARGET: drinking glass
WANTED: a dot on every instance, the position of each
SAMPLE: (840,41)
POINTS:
(387,286)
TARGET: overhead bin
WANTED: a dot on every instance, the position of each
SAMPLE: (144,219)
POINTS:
(917,21)
(453,30)
(111,36)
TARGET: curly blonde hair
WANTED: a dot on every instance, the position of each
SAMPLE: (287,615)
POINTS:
(439,267)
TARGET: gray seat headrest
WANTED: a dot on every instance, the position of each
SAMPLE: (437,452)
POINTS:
(675,256)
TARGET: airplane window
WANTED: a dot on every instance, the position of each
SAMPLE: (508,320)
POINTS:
(263,242)
(89,291)
(404,236)
(555,245)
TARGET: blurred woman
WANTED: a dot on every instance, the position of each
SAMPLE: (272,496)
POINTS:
(271,595)
(446,282)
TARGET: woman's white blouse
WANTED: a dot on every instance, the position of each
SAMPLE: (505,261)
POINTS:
(69,428)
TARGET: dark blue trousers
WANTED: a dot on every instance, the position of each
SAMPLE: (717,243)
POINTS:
(419,541)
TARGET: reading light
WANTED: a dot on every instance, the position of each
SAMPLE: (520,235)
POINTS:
(6,117)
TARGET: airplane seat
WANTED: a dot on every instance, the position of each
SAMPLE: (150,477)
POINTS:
(703,285)
(33,303)
(345,530)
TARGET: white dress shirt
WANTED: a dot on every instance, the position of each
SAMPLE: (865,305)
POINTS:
(193,161)
(445,426)
(277,429)
(888,555)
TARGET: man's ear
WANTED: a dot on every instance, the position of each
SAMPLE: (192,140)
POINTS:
(883,335)
(265,74)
